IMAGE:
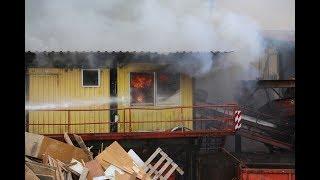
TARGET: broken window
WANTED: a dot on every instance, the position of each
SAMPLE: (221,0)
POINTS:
(168,89)
(90,77)
(142,88)
(154,88)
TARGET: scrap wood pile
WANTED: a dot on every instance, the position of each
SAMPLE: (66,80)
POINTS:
(50,159)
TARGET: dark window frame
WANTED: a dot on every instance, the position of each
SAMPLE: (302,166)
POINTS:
(99,78)
(155,93)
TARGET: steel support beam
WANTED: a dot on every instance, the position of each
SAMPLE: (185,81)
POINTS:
(147,135)
(264,139)
(276,84)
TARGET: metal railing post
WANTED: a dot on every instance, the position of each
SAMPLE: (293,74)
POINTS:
(181,116)
(130,128)
(124,120)
(69,121)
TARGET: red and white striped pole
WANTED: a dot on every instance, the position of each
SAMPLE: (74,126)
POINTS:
(237,120)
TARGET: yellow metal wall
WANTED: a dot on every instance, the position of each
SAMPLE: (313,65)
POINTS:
(57,86)
(123,78)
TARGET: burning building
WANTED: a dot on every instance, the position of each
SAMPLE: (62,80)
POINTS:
(103,92)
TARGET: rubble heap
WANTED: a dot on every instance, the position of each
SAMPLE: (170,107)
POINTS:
(50,159)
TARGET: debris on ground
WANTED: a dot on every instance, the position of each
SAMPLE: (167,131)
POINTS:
(47,158)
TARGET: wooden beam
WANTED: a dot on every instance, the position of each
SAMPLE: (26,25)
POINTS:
(67,139)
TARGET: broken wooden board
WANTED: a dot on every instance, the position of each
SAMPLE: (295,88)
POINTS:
(45,177)
(37,145)
(136,159)
(41,169)
(83,146)
(69,176)
(95,169)
(33,144)
(67,139)
(84,174)
(111,170)
(29,174)
(77,167)
(117,156)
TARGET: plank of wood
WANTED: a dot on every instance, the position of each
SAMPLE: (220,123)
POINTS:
(136,159)
(155,153)
(71,164)
(62,165)
(69,176)
(33,144)
(84,174)
(46,177)
(27,159)
(101,149)
(164,156)
(56,149)
(60,172)
(29,174)
(163,168)
(67,139)
(180,171)
(174,167)
(45,159)
(117,156)
(72,171)
(83,146)
(77,167)
(95,169)
(39,168)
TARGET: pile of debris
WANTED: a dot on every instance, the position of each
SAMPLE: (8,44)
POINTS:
(50,159)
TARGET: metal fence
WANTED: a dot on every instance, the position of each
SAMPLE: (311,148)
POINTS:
(198,118)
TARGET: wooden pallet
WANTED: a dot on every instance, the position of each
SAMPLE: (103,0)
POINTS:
(155,172)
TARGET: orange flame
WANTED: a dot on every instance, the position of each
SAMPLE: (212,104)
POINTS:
(140,98)
(141,81)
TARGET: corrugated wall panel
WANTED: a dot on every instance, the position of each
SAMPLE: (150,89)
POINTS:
(60,86)
(152,115)
(269,65)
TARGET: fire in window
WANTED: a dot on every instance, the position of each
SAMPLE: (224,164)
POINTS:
(168,89)
(142,88)
(90,77)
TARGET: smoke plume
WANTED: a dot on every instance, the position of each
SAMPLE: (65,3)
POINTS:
(142,25)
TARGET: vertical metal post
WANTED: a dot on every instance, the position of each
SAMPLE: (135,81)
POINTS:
(130,128)
(113,126)
(69,121)
(181,117)
(201,116)
(124,120)
(237,140)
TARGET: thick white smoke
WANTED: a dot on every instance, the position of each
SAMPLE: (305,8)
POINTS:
(141,25)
